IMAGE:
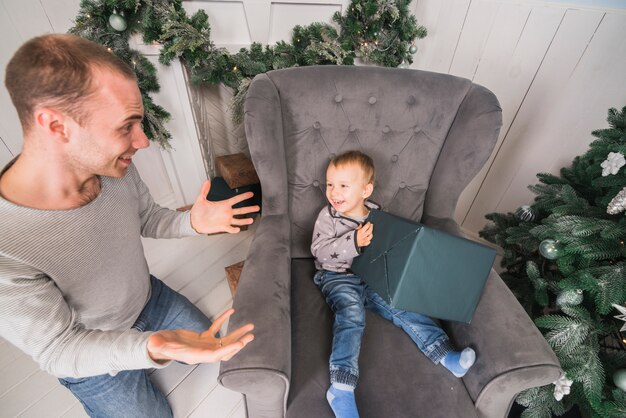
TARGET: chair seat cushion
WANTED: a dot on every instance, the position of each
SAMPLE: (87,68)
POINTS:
(396,379)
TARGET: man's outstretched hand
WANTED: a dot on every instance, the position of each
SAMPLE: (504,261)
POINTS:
(192,348)
(212,217)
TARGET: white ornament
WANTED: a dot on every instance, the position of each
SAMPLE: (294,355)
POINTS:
(562,386)
(117,21)
(613,163)
(618,203)
(621,317)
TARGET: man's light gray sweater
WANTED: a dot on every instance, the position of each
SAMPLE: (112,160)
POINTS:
(73,282)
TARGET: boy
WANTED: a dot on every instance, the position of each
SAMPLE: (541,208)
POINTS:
(338,236)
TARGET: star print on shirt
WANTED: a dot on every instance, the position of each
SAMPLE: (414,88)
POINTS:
(334,255)
(348,238)
(318,235)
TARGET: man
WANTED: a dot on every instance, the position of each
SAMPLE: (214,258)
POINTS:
(75,291)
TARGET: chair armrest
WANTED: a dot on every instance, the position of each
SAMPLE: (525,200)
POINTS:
(512,355)
(262,370)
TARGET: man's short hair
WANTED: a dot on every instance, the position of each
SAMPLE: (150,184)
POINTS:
(359,158)
(56,70)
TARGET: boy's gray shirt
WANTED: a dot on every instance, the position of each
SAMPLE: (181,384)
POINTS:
(334,243)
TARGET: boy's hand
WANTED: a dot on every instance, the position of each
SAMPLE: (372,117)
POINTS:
(364,234)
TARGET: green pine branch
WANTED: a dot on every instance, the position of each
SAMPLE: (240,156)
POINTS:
(571,298)
(386,26)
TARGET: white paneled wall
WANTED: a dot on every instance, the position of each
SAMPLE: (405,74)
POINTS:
(556,69)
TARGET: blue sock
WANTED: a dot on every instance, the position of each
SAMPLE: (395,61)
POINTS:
(459,362)
(341,400)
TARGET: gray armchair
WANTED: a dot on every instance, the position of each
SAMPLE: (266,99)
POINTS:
(429,134)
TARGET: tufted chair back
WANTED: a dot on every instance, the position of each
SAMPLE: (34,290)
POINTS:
(427,133)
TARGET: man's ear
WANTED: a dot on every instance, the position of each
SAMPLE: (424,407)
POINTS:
(53,123)
(369,188)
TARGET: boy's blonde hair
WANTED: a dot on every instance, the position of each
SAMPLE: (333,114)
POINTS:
(362,160)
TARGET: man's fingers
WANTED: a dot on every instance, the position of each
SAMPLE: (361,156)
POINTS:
(246,209)
(204,190)
(228,351)
(217,324)
(242,221)
(241,344)
(240,198)
(240,333)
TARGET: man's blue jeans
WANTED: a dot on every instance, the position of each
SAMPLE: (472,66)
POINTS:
(130,393)
(348,296)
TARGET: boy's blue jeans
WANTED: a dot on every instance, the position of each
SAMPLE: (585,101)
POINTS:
(130,393)
(348,296)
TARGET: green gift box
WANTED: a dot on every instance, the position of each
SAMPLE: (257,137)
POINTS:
(421,269)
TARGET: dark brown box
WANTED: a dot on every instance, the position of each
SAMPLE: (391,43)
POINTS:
(237,170)
(233,273)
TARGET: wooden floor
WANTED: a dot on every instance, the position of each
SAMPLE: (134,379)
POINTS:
(194,267)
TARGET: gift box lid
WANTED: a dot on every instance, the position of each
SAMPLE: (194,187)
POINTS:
(421,269)
(220,191)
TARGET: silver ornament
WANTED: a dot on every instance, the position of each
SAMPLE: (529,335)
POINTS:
(117,21)
(403,64)
(618,203)
(619,378)
(550,249)
(570,297)
(413,49)
(525,213)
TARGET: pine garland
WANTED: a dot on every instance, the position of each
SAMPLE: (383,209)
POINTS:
(572,297)
(381,32)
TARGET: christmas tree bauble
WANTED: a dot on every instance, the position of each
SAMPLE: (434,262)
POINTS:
(570,297)
(525,214)
(412,49)
(619,378)
(550,249)
(618,203)
(117,22)
(403,64)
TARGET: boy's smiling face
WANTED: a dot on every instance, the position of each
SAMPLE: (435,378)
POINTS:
(347,188)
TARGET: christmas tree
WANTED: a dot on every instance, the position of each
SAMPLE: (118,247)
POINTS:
(565,260)
(380,31)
